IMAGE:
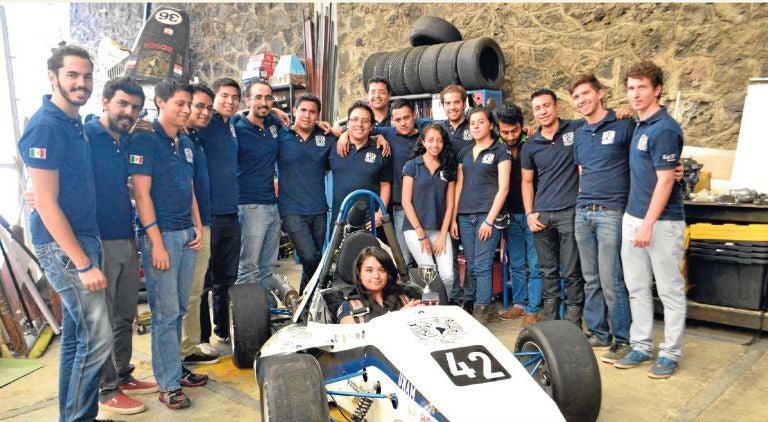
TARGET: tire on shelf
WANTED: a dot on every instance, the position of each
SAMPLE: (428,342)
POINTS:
(380,66)
(292,389)
(428,68)
(430,30)
(368,67)
(480,64)
(568,370)
(411,70)
(395,71)
(447,72)
(249,326)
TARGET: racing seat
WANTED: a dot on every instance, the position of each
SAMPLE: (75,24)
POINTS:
(344,277)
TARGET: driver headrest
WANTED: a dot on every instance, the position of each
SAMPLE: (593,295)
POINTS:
(350,248)
(357,215)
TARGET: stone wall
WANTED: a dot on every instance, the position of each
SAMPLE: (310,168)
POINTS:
(708,52)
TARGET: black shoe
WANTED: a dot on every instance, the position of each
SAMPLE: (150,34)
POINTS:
(190,379)
(469,306)
(199,357)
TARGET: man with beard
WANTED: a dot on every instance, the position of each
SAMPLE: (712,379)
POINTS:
(303,154)
(453,98)
(108,136)
(65,233)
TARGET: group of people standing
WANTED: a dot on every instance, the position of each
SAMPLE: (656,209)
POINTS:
(592,204)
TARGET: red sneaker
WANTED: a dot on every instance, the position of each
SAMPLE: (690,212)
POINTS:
(122,404)
(139,387)
(175,399)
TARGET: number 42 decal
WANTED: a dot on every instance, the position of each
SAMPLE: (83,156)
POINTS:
(470,365)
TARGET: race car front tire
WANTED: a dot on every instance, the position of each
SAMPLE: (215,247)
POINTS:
(249,322)
(568,370)
(292,389)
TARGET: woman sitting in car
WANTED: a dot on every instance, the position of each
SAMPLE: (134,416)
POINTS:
(376,290)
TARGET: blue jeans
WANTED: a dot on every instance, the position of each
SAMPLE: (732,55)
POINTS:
(260,225)
(86,333)
(523,264)
(307,233)
(479,256)
(606,302)
(168,294)
(398,218)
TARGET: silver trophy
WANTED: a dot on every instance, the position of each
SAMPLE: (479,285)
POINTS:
(428,273)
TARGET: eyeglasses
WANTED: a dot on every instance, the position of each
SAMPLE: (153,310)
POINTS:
(267,98)
(356,120)
(201,107)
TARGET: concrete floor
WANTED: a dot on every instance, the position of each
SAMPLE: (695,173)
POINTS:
(718,380)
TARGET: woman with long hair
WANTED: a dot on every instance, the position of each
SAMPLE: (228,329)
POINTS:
(429,185)
(376,291)
(482,183)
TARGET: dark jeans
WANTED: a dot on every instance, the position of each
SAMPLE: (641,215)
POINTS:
(307,233)
(221,275)
(556,249)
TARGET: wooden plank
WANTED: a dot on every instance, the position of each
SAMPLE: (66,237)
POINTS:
(719,314)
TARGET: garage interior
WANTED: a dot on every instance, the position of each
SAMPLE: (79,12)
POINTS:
(716,61)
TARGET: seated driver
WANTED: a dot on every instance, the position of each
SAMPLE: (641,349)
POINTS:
(376,291)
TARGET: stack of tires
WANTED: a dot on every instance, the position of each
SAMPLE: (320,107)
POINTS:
(437,59)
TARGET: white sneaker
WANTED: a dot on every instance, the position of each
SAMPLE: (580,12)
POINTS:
(208,349)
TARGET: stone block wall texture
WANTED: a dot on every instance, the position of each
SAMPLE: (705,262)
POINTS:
(708,51)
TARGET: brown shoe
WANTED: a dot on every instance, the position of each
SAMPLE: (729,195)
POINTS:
(529,319)
(493,312)
(512,313)
(480,312)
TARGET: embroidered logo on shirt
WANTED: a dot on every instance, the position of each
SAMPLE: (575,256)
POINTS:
(442,176)
(608,137)
(467,136)
(37,153)
(273,131)
(188,154)
(320,140)
(370,157)
(488,158)
(136,159)
(642,143)
(568,139)
(670,158)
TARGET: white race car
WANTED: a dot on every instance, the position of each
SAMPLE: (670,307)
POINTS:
(429,363)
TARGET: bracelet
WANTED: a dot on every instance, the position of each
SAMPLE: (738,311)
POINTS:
(86,269)
(154,223)
(417,227)
(528,213)
(487,223)
(422,238)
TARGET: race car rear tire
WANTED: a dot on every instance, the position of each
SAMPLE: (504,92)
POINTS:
(568,371)
(249,322)
(292,389)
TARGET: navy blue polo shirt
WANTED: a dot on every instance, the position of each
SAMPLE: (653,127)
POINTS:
(480,178)
(429,194)
(602,150)
(172,172)
(402,150)
(552,161)
(302,164)
(114,212)
(220,145)
(54,141)
(202,180)
(514,203)
(257,160)
(656,145)
(460,137)
(363,168)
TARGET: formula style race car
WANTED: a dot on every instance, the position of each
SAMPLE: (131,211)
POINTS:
(427,363)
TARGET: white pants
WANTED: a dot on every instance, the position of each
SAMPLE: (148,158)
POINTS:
(444,260)
(660,260)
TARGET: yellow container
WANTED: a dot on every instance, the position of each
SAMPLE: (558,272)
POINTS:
(730,232)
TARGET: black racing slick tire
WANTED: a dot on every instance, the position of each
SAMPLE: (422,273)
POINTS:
(428,68)
(380,67)
(395,71)
(368,67)
(446,64)
(411,70)
(568,369)
(249,320)
(292,389)
(429,30)
(480,64)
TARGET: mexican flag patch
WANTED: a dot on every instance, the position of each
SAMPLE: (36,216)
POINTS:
(37,153)
(136,159)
